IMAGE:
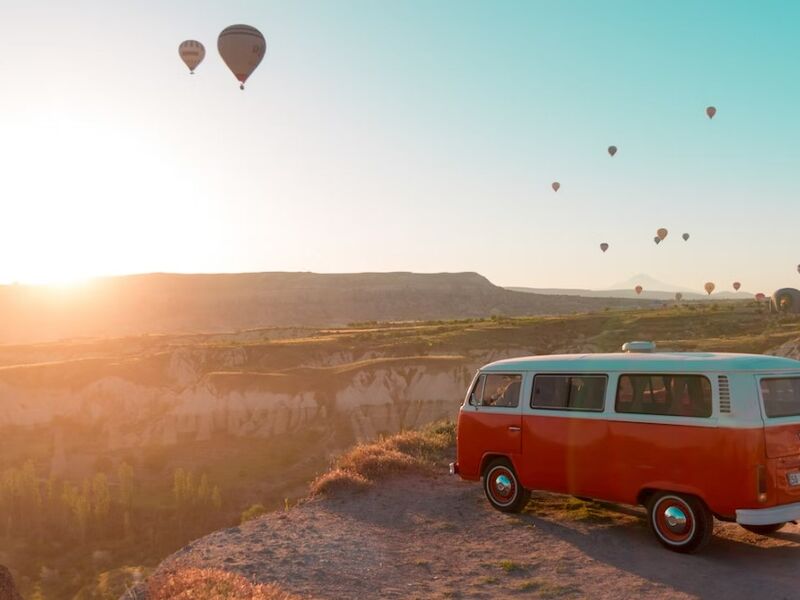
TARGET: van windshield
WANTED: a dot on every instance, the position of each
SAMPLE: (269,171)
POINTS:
(781,396)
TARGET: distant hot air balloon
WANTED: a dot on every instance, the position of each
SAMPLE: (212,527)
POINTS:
(603,246)
(662,233)
(711,111)
(192,54)
(638,289)
(685,236)
(241,47)
(709,287)
(556,185)
(612,150)
(798,268)
(657,240)
(736,285)
(678,296)
(760,297)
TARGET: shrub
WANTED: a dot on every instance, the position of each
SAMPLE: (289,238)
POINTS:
(337,481)
(212,584)
(404,452)
(256,510)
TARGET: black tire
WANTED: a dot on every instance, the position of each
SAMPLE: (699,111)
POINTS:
(502,487)
(764,529)
(680,522)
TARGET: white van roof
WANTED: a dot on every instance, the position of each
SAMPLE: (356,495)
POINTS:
(686,362)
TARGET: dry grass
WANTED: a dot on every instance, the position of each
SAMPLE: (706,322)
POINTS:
(405,452)
(212,584)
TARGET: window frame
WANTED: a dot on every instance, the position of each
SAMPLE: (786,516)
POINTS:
(604,376)
(482,382)
(651,374)
(761,395)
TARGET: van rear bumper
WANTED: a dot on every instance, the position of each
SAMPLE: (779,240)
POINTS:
(768,516)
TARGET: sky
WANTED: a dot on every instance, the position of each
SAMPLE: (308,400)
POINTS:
(404,136)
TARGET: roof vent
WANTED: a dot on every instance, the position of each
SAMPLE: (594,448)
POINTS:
(638,347)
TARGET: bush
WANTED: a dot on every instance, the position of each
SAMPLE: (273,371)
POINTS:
(338,481)
(256,510)
(408,451)
(212,584)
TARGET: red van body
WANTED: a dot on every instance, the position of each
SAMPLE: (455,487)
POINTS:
(636,428)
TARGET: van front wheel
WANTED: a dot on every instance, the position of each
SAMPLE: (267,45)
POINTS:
(764,529)
(502,487)
(680,522)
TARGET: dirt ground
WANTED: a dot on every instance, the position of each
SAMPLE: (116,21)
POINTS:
(437,537)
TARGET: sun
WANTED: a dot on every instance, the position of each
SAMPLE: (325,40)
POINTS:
(81,195)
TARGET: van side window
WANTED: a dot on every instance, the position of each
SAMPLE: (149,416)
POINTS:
(671,395)
(500,390)
(569,392)
(781,396)
(477,390)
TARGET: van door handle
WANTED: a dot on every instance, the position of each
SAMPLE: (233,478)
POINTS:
(513,428)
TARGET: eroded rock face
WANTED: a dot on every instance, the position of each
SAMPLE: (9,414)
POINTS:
(789,349)
(8,590)
(191,394)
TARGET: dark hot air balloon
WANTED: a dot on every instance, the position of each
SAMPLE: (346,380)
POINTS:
(661,233)
(711,111)
(657,240)
(736,285)
(612,150)
(556,185)
(638,289)
(241,47)
(603,246)
(678,296)
(709,287)
(685,236)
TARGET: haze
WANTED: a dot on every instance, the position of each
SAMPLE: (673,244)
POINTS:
(403,136)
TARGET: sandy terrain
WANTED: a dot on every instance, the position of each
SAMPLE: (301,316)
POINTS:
(437,537)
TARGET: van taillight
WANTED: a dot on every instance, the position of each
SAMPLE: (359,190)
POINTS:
(761,483)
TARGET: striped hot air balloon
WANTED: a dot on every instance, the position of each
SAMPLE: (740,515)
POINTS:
(192,54)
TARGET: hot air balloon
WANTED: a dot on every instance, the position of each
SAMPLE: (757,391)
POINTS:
(760,297)
(685,236)
(638,289)
(657,240)
(662,233)
(192,54)
(556,185)
(612,150)
(678,296)
(603,246)
(241,47)
(736,285)
(798,268)
(709,287)
(711,111)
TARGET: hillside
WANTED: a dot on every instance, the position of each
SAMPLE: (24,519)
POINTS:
(171,303)
(258,414)
(410,531)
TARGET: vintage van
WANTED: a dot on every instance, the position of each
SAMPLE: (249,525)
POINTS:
(691,436)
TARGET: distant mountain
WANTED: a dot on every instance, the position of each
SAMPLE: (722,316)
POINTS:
(171,303)
(649,283)
(652,290)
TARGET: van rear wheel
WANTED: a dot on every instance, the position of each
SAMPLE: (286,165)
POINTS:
(764,529)
(502,487)
(680,522)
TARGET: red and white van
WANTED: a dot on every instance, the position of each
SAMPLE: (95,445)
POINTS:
(691,436)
